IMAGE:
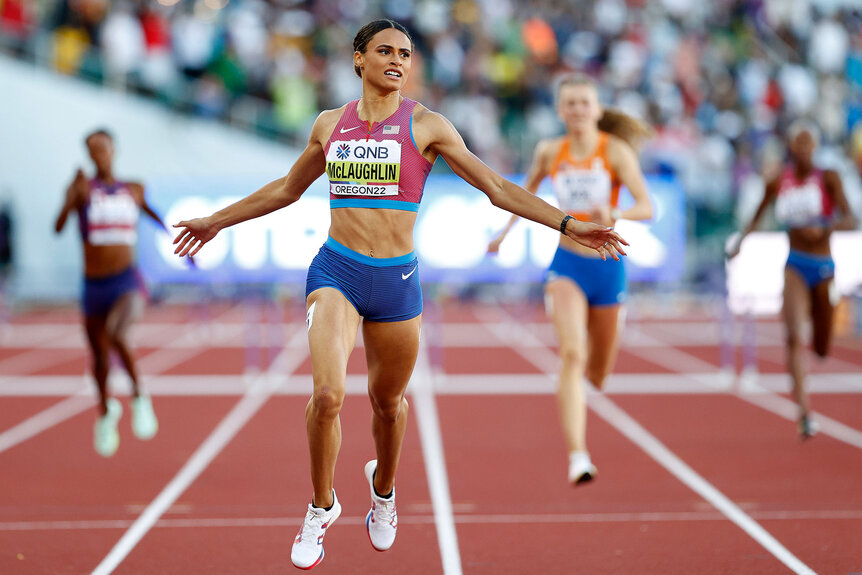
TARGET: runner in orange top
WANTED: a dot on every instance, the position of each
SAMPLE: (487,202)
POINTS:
(583,293)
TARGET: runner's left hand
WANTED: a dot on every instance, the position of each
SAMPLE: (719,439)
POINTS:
(604,240)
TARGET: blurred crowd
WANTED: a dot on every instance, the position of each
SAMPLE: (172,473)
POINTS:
(718,80)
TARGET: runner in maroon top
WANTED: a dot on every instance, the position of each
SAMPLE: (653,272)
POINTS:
(377,153)
(810,204)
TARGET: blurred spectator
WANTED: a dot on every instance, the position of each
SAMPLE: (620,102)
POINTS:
(673,61)
(15,23)
(123,44)
(717,79)
(6,252)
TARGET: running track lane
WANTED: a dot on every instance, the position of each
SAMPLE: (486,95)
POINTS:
(641,436)
(56,476)
(756,459)
(263,473)
(519,515)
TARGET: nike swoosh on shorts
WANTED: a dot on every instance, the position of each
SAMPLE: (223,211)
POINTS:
(404,277)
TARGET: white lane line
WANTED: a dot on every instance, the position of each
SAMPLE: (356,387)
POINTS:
(215,334)
(51,335)
(467,519)
(221,436)
(757,394)
(220,333)
(637,434)
(174,352)
(256,396)
(162,360)
(777,354)
(444,384)
(81,396)
(46,419)
(37,359)
(428,422)
(787,409)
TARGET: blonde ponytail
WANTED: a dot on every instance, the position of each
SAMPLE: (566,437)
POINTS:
(627,128)
(615,122)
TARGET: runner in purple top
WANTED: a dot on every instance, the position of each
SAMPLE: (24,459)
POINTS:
(108,210)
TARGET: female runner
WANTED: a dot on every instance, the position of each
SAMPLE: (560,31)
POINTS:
(377,152)
(108,211)
(810,204)
(583,294)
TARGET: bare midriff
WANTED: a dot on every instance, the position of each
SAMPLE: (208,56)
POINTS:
(801,241)
(378,233)
(105,261)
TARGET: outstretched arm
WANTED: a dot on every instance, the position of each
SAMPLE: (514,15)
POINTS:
(538,171)
(768,197)
(75,193)
(140,193)
(271,197)
(444,139)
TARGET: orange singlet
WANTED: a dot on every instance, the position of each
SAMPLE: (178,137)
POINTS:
(582,185)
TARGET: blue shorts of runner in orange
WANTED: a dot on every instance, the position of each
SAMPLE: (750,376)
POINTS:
(602,281)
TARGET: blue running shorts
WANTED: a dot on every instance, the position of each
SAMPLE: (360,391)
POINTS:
(100,294)
(381,289)
(813,268)
(602,281)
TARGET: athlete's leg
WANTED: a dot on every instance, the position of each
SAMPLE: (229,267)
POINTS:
(125,311)
(603,332)
(822,312)
(391,349)
(795,313)
(97,336)
(567,308)
(332,325)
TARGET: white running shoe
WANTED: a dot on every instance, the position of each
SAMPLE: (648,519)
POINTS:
(581,469)
(144,422)
(807,427)
(382,520)
(106,438)
(307,551)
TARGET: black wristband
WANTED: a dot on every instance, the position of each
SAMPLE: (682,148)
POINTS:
(564,222)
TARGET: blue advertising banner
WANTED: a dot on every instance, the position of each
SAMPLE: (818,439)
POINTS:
(454,226)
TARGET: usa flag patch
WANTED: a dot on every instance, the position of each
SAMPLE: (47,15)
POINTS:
(391,129)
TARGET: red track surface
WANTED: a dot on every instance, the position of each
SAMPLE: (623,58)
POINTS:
(63,508)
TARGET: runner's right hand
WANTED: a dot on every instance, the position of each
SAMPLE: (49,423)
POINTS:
(193,235)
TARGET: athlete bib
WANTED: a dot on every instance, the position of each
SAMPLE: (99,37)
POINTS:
(110,217)
(364,168)
(581,191)
(800,205)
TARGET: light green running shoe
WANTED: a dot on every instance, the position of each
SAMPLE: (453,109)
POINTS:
(106,438)
(144,422)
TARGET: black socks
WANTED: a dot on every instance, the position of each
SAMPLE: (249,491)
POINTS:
(387,496)
(324,508)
